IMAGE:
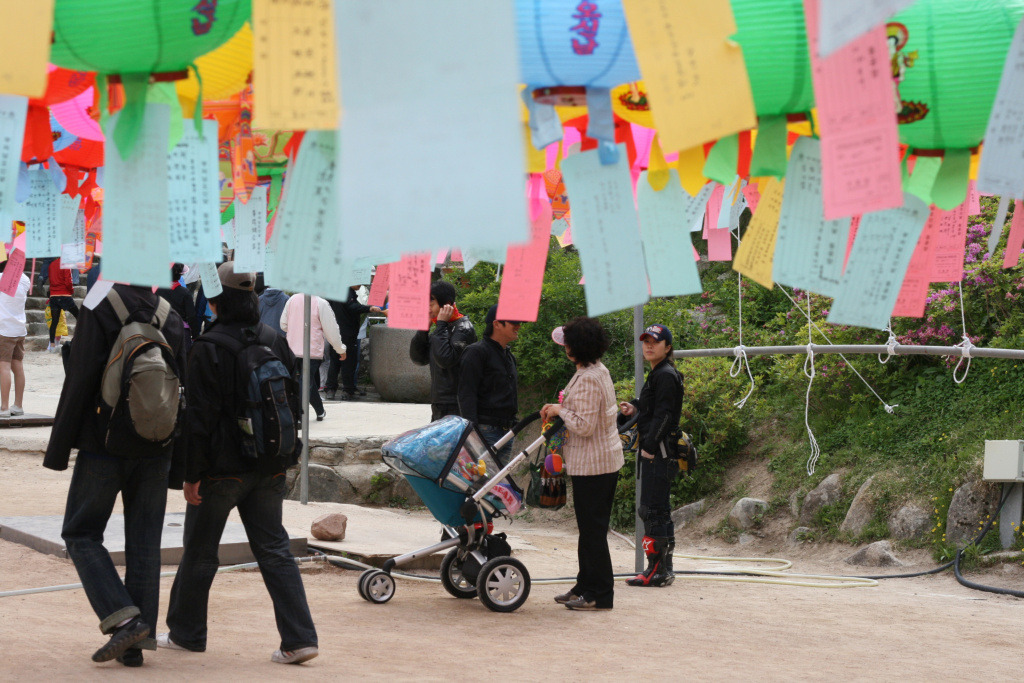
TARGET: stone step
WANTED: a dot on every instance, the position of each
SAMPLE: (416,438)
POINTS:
(41,328)
(38,303)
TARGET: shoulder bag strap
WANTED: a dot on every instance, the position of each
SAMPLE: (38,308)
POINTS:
(118,304)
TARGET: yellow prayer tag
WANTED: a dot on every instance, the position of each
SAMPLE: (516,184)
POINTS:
(756,251)
(295,83)
(696,79)
(26,30)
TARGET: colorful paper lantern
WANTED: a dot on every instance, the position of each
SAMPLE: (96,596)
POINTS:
(225,71)
(141,36)
(946,58)
(774,41)
(574,43)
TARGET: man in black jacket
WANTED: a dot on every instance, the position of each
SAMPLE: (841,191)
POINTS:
(443,349)
(350,315)
(489,381)
(660,406)
(128,610)
(220,477)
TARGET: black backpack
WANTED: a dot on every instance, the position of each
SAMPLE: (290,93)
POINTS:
(267,406)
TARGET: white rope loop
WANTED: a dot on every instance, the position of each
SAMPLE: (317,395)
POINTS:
(812,461)
(965,345)
(740,361)
(890,346)
(965,352)
(739,353)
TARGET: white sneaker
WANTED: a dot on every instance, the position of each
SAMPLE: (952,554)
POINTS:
(164,640)
(5,413)
(303,654)
(17,410)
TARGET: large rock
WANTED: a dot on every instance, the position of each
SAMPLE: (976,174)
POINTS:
(745,512)
(686,514)
(910,523)
(971,503)
(829,491)
(862,510)
(325,486)
(330,527)
(394,375)
(878,554)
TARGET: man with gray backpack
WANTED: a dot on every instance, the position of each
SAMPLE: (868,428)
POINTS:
(120,408)
(242,432)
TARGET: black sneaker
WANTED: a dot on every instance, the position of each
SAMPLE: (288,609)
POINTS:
(121,639)
(132,657)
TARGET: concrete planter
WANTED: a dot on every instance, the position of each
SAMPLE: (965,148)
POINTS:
(396,378)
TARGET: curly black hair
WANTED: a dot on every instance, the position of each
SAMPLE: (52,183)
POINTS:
(586,340)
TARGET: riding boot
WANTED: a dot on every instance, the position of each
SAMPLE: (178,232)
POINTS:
(655,575)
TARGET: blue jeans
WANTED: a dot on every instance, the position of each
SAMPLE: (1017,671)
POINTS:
(142,483)
(491,435)
(259,501)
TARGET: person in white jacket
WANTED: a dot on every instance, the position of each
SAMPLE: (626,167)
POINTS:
(13,330)
(322,325)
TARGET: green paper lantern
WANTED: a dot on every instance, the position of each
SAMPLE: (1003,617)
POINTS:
(774,42)
(141,36)
(947,57)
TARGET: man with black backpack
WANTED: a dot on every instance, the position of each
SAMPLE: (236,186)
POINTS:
(241,429)
(119,407)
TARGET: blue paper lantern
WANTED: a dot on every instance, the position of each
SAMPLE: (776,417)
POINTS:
(574,43)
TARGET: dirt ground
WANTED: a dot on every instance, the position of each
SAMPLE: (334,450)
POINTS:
(914,629)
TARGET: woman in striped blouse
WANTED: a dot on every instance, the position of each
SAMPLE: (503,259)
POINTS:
(593,457)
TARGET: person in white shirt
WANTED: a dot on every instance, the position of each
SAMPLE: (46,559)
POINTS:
(13,331)
(322,325)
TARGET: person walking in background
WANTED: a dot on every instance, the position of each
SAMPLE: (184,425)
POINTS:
(127,610)
(593,458)
(443,349)
(489,381)
(220,476)
(180,299)
(272,302)
(62,298)
(322,325)
(349,314)
(13,330)
(660,406)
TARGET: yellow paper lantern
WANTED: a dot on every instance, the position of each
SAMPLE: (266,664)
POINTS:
(224,71)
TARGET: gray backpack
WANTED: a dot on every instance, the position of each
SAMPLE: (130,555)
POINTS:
(140,393)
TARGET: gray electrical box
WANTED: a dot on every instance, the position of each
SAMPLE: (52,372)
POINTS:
(1004,461)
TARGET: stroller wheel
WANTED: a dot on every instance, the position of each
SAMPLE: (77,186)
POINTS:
(361,583)
(378,586)
(503,584)
(452,579)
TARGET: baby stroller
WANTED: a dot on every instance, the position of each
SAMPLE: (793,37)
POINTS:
(465,486)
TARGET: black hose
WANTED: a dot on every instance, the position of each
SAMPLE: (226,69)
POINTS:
(955,562)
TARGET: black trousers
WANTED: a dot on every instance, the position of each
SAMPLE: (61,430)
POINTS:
(57,304)
(592,498)
(656,476)
(345,368)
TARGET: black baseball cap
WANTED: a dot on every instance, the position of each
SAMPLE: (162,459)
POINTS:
(657,333)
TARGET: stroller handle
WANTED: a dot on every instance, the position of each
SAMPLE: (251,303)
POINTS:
(556,424)
(526,421)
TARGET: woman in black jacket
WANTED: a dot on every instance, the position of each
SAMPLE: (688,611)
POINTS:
(660,406)
(181,301)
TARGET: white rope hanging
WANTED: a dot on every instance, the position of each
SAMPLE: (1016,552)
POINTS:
(740,354)
(965,345)
(812,461)
(890,345)
(888,408)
